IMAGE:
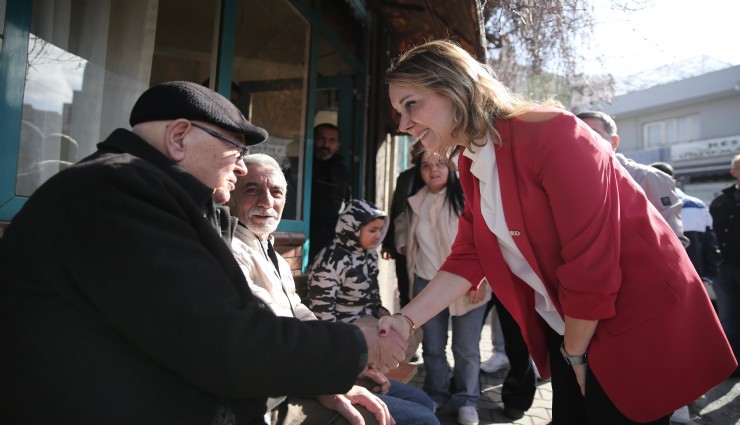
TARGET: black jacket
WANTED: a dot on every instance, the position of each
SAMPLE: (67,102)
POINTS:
(121,305)
(329,190)
(725,210)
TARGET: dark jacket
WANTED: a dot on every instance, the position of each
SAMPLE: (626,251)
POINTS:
(407,184)
(329,190)
(121,305)
(725,210)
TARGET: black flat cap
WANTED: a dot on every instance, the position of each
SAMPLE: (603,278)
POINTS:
(185,99)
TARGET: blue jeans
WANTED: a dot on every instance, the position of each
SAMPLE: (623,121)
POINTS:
(409,405)
(727,286)
(466,331)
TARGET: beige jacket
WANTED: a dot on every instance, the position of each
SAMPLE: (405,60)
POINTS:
(263,279)
(445,221)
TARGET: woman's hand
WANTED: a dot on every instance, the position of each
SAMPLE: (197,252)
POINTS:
(474,297)
(578,334)
(580,371)
(394,322)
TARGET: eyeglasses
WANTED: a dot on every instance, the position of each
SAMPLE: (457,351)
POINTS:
(243,150)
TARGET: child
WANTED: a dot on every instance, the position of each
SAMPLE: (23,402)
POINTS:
(343,279)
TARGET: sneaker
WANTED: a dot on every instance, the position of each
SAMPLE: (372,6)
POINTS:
(681,416)
(467,415)
(497,362)
(435,407)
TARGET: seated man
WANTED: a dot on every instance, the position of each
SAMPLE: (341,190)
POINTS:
(121,304)
(258,201)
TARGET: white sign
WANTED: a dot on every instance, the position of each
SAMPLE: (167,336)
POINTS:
(729,145)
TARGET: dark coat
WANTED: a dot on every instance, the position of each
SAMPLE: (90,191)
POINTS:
(725,210)
(329,190)
(121,305)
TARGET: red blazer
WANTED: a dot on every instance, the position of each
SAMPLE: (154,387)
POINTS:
(604,253)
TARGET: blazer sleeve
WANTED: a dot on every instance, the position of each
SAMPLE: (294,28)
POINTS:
(578,173)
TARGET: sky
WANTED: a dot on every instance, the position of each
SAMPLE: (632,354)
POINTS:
(664,32)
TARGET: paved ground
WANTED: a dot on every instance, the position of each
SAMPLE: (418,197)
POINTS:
(720,406)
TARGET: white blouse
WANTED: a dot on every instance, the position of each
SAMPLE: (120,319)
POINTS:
(485,169)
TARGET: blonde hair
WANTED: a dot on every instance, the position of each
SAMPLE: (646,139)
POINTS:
(478,97)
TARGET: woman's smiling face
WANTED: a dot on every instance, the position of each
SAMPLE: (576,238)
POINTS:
(425,115)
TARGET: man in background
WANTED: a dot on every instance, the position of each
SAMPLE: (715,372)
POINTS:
(725,210)
(330,189)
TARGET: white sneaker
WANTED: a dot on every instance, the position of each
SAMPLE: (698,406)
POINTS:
(681,416)
(436,406)
(467,415)
(497,362)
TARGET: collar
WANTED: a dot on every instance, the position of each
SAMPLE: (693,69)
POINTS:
(249,238)
(123,141)
(484,168)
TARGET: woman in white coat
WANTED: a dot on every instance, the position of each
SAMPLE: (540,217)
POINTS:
(425,233)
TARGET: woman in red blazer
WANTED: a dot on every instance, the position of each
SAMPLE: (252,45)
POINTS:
(603,291)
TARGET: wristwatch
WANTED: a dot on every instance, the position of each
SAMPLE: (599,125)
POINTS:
(572,360)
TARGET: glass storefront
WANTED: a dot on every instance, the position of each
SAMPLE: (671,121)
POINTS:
(89,61)
(271,70)
(87,64)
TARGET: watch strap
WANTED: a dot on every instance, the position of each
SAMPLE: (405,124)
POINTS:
(573,360)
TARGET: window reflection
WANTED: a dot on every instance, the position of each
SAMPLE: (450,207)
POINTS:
(270,66)
(87,63)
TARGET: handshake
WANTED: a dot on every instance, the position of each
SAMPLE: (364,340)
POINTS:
(387,340)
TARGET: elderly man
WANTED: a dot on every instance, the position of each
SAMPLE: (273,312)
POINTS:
(258,202)
(122,305)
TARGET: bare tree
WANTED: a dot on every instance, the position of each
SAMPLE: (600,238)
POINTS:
(536,46)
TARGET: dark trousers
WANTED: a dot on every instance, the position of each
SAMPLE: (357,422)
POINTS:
(519,386)
(402,276)
(569,407)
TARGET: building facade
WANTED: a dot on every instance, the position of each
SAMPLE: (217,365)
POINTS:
(692,124)
(71,70)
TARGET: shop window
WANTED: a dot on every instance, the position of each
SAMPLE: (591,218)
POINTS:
(345,22)
(87,64)
(271,70)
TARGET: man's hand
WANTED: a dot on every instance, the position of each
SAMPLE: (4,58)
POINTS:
(384,351)
(378,383)
(343,404)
